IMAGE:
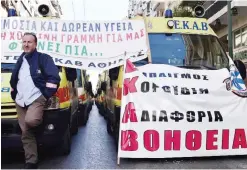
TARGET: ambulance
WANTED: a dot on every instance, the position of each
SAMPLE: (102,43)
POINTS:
(89,94)
(101,94)
(97,95)
(185,42)
(60,119)
(83,97)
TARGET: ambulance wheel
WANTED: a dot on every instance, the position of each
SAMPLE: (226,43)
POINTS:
(109,128)
(66,143)
(81,116)
(116,136)
(85,117)
(75,126)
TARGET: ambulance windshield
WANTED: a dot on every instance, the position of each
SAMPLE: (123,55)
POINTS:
(7,67)
(187,50)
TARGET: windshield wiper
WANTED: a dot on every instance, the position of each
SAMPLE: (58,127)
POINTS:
(209,67)
(6,69)
(191,66)
(198,67)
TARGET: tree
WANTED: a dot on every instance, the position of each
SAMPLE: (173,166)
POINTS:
(186,8)
(182,12)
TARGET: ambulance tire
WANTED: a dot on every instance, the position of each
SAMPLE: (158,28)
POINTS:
(90,107)
(116,136)
(109,127)
(75,126)
(104,113)
(85,116)
(80,118)
(66,143)
(100,110)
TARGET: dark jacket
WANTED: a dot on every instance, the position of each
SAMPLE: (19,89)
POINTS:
(48,73)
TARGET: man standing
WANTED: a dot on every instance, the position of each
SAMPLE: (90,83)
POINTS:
(34,80)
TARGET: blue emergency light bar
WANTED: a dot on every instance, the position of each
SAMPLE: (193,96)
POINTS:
(11,11)
(168,13)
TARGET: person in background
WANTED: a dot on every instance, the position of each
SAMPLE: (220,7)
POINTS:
(34,80)
(245,80)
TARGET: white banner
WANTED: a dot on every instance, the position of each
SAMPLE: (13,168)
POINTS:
(172,112)
(78,44)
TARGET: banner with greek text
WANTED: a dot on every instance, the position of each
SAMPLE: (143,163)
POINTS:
(77,44)
(169,112)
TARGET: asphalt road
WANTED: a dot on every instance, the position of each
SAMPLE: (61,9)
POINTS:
(93,148)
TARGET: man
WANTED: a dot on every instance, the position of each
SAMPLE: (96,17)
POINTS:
(34,80)
(245,80)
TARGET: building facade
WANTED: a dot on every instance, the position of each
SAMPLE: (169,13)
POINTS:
(150,7)
(216,13)
(30,8)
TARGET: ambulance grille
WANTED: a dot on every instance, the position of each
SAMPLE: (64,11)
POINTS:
(7,107)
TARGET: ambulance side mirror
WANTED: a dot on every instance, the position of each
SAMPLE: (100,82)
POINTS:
(99,91)
(241,68)
(71,74)
(103,86)
(113,73)
(88,86)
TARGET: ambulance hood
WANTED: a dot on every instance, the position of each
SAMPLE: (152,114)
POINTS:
(5,88)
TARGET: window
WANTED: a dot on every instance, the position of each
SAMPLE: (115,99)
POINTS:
(79,80)
(7,67)
(167,49)
(237,37)
(240,37)
(187,49)
(242,55)
(244,36)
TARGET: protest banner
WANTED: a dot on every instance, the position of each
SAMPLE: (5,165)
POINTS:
(77,44)
(169,112)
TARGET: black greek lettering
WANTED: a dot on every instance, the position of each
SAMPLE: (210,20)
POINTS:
(163,116)
(145,87)
(191,116)
(145,116)
(177,116)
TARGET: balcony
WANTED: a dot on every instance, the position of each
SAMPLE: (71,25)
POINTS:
(219,8)
(214,7)
(217,16)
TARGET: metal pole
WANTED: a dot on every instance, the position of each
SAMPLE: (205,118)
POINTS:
(229,13)
(73,7)
(84,9)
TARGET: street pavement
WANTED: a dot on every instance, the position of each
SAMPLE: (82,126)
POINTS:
(93,148)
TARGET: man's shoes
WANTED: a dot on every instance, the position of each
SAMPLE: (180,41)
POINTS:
(31,166)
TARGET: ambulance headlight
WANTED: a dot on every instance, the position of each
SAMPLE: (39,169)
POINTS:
(52,103)
(50,127)
(170,23)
